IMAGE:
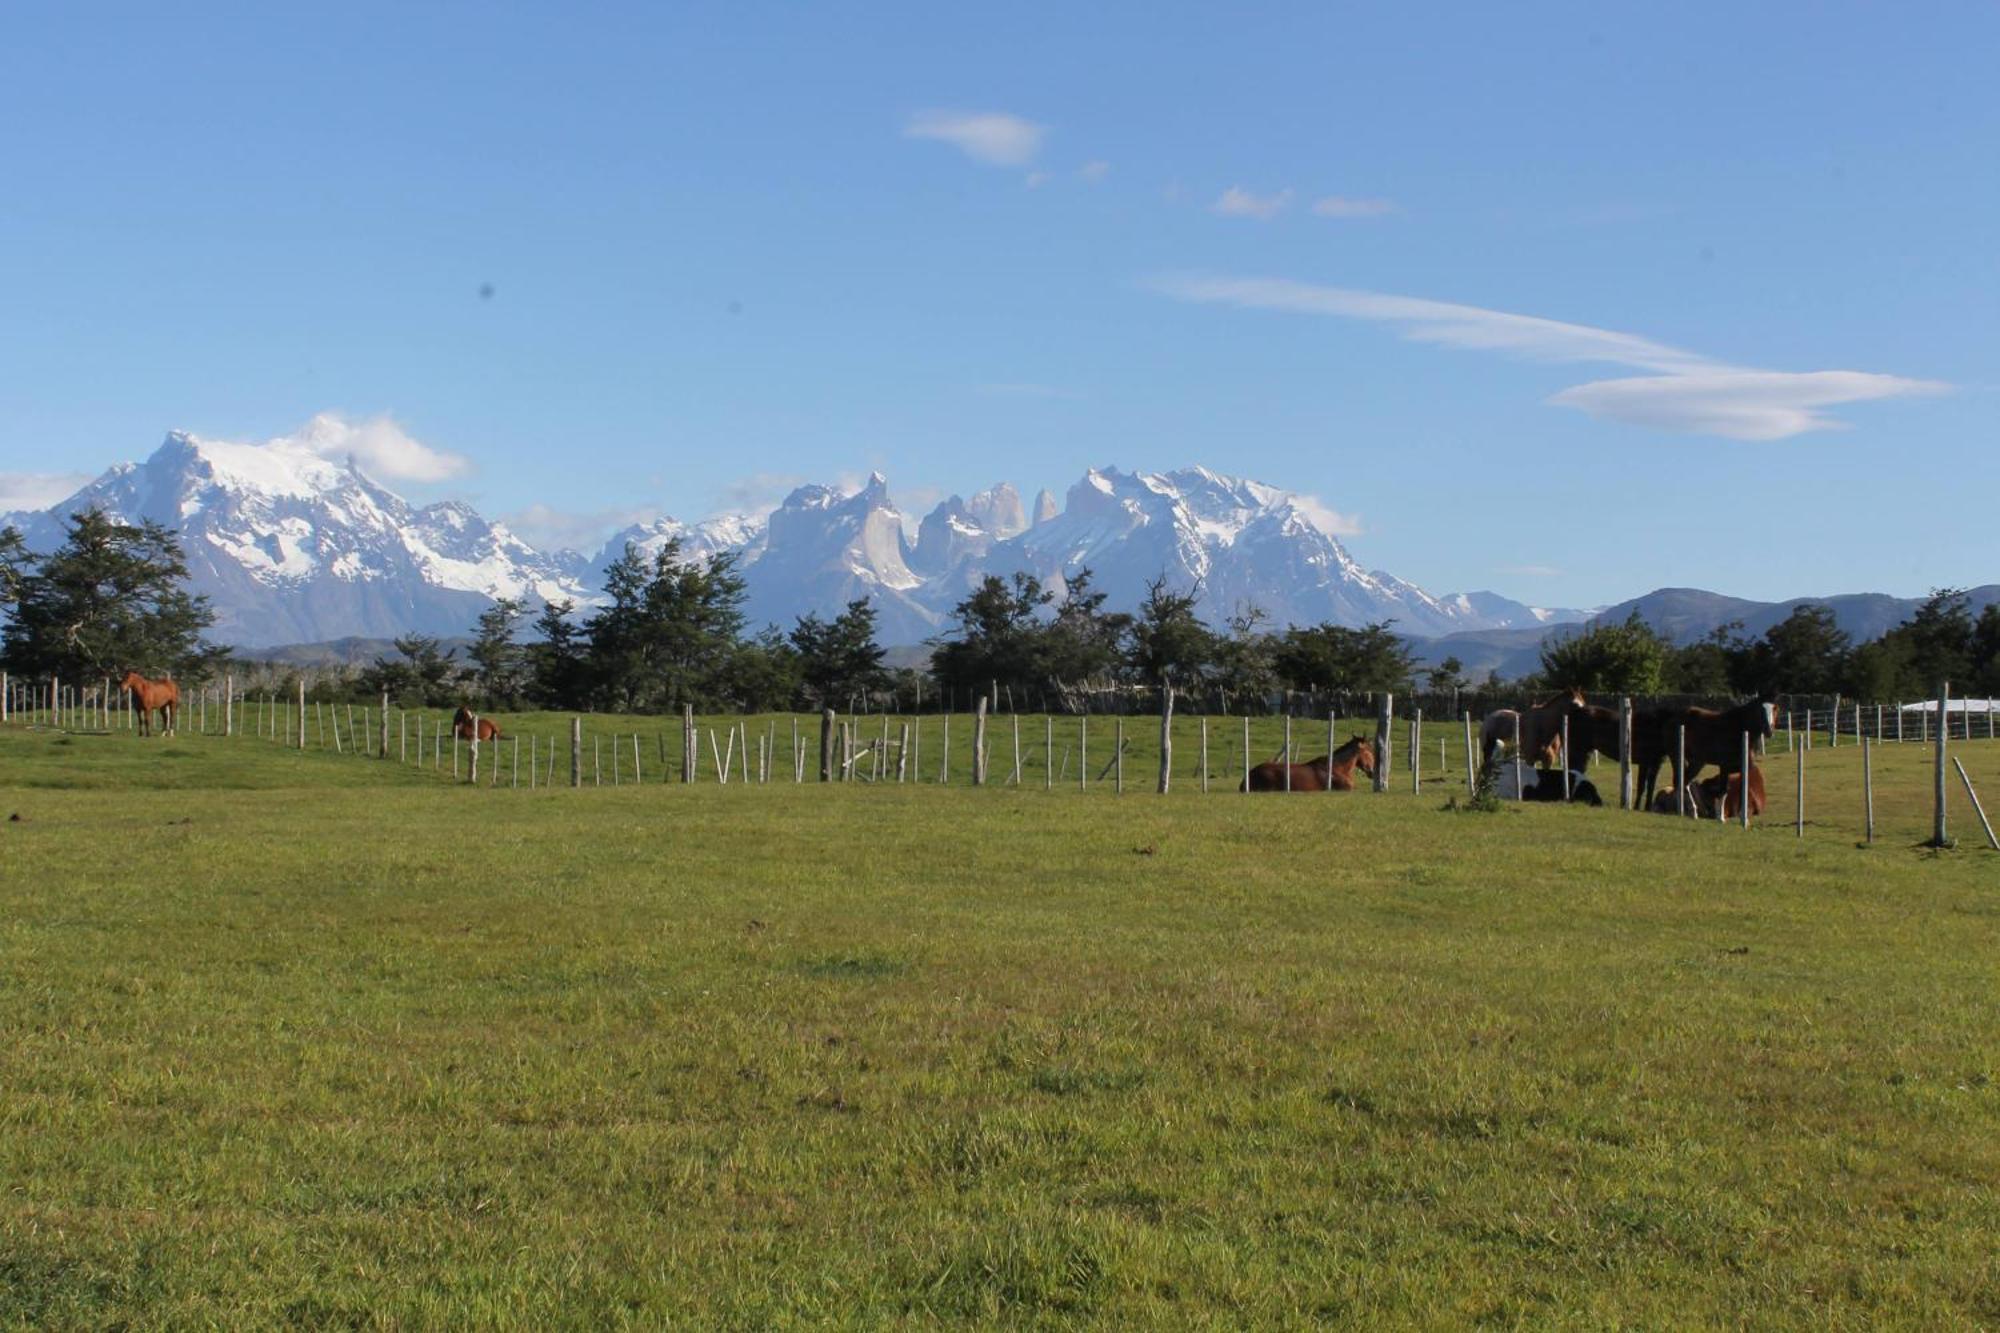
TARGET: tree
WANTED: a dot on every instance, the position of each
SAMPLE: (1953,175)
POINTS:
(422,675)
(1627,658)
(112,598)
(839,659)
(1167,643)
(1710,665)
(1986,651)
(1805,653)
(558,673)
(1081,643)
(1940,637)
(1370,659)
(1245,659)
(997,637)
(763,673)
(497,660)
(669,633)
(1447,677)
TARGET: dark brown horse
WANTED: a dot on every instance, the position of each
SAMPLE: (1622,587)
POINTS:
(1714,736)
(1595,729)
(461,726)
(1326,773)
(153,696)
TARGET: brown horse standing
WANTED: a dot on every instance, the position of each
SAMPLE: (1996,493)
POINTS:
(461,726)
(1333,772)
(153,696)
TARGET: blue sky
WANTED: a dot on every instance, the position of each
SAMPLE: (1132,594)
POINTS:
(1565,301)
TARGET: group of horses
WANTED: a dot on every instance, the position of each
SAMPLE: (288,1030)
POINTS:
(1687,738)
(163,698)
(1660,736)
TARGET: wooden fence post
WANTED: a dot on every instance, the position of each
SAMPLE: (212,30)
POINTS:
(1471,774)
(1246,754)
(1332,742)
(1625,753)
(635,759)
(473,775)
(1799,796)
(1938,831)
(979,741)
(1048,752)
(1833,725)
(1204,752)
(1566,758)
(575,752)
(1118,755)
(944,758)
(826,745)
(1013,717)
(1868,786)
(1385,721)
(1286,758)
(1166,737)
(1680,771)
(1083,749)
(1742,784)
(1520,794)
(903,755)
(302,713)
(383,752)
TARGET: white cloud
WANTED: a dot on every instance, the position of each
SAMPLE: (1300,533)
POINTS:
(38,490)
(550,529)
(1336,206)
(1328,520)
(1686,391)
(384,449)
(1093,172)
(992,137)
(1237,202)
(1742,405)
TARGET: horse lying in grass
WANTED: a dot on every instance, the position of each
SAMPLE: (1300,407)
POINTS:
(1719,796)
(1544,784)
(150,697)
(1333,772)
(461,727)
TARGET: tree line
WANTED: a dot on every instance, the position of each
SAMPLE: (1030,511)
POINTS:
(1805,653)
(671,631)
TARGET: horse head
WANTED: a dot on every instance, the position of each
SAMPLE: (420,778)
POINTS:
(1364,754)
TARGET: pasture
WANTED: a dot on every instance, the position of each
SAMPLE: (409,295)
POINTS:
(301,1037)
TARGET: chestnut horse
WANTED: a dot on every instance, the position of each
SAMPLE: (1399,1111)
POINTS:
(1334,773)
(461,726)
(1541,729)
(153,696)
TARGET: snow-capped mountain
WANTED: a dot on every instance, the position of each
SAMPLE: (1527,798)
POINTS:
(292,543)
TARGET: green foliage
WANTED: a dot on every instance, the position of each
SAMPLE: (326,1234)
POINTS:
(111,599)
(1627,658)
(998,637)
(1333,657)
(421,675)
(669,633)
(839,660)
(557,665)
(1167,641)
(498,661)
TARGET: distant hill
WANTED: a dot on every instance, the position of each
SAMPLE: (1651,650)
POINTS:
(1687,614)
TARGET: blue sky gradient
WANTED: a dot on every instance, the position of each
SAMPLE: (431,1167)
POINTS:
(670,258)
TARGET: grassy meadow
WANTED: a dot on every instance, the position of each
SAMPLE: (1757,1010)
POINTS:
(303,1038)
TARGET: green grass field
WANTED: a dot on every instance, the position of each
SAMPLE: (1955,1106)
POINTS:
(305,1038)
